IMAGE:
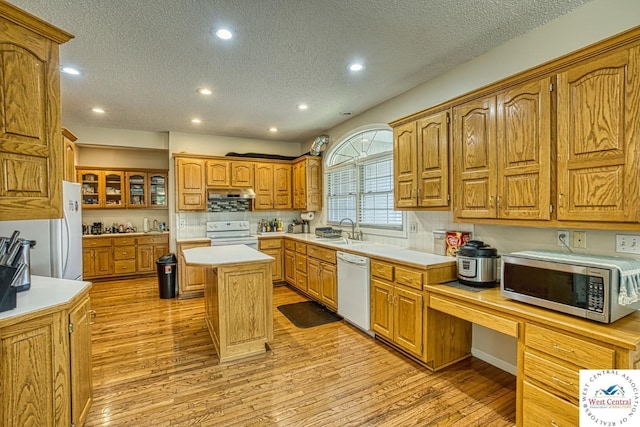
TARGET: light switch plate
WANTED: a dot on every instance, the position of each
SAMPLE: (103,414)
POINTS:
(628,243)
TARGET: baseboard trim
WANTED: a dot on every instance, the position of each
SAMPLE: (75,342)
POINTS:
(492,360)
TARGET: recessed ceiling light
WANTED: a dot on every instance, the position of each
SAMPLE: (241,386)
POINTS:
(356,67)
(204,91)
(224,34)
(303,106)
(98,110)
(69,70)
(273,129)
(196,121)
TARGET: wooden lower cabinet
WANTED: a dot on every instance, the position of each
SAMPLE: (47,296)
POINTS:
(191,279)
(400,316)
(46,370)
(273,247)
(322,278)
(301,267)
(396,314)
(290,266)
(543,409)
(121,255)
(97,258)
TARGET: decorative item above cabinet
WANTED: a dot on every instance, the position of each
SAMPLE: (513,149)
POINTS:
(109,189)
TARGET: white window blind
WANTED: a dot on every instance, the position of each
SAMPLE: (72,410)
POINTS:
(376,195)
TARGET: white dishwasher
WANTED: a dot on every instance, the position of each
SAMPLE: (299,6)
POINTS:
(353,290)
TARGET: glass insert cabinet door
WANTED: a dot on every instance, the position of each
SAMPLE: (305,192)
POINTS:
(113,189)
(157,190)
(91,188)
(137,190)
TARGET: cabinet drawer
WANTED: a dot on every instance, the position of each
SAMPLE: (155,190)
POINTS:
(96,243)
(322,254)
(301,281)
(125,266)
(560,378)
(301,263)
(382,270)
(301,248)
(566,347)
(410,278)
(270,243)
(124,241)
(153,240)
(124,252)
(488,320)
(544,409)
(290,244)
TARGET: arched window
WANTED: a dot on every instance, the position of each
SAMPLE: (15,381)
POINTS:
(359,177)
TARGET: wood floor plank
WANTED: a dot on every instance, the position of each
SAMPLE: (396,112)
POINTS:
(154,365)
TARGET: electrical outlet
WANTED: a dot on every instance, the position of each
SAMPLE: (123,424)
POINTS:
(580,239)
(413,227)
(182,223)
(562,238)
(628,243)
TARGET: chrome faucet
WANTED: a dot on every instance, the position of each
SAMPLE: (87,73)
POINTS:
(353,227)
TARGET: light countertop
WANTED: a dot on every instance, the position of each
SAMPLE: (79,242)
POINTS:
(410,256)
(45,292)
(216,256)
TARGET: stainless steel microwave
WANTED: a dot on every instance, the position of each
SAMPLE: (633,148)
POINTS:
(583,289)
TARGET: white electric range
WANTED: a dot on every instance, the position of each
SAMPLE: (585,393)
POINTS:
(231,233)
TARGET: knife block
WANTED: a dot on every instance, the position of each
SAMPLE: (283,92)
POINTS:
(7,292)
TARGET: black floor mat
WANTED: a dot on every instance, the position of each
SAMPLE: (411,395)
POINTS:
(308,314)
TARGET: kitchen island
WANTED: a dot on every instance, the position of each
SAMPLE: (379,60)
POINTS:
(238,298)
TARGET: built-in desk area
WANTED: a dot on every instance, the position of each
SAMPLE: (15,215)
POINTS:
(552,348)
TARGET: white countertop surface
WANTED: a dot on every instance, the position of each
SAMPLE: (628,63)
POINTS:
(45,292)
(215,256)
(411,256)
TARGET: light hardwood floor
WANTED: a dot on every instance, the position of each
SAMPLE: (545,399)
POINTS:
(154,365)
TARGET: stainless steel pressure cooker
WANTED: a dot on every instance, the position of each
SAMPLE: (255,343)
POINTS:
(477,264)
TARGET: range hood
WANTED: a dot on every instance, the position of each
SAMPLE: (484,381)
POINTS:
(231,193)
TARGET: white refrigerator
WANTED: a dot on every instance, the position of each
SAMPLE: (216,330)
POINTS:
(58,249)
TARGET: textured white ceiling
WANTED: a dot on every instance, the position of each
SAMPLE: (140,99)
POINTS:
(142,60)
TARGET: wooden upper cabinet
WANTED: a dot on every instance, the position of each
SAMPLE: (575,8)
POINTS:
(218,173)
(502,154)
(307,183)
(263,186)
(114,189)
(474,165)
(190,180)
(272,186)
(404,165)
(158,185)
(524,151)
(242,174)
(69,156)
(282,186)
(137,188)
(421,162)
(31,156)
(228,173)
(598,138)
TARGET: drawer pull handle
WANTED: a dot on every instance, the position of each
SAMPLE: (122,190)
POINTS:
(556,379)
(92,317)
(553,423)
(557,347)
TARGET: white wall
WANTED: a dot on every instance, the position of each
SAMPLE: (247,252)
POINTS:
(215,145)
(584,26)
(88,135)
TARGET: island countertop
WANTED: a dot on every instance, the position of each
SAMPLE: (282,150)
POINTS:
(45,293)
(215,256)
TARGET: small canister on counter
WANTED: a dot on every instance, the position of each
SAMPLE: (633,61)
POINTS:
(439,242)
